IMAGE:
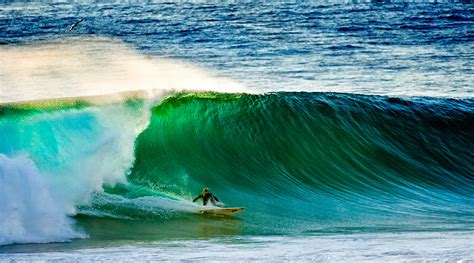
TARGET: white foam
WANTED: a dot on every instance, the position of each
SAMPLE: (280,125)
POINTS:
(28,211)
(369,247)
(77,152)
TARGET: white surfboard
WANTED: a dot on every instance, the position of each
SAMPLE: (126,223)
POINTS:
(222,211)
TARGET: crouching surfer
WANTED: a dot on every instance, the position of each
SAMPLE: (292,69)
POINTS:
(206,196)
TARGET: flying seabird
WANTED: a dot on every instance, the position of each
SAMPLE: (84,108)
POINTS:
(74,25)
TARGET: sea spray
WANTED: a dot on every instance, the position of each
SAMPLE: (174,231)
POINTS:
(90,66)
(29,213)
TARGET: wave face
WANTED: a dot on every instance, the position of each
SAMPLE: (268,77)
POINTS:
(298,162)
(319,157)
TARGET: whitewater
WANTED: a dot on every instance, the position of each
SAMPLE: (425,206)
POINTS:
(340,142)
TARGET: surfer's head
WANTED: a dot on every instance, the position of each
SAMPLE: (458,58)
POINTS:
(205,190)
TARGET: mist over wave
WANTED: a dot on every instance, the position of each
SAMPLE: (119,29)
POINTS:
(88,66)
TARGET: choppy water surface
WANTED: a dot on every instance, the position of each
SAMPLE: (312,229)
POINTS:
(371,48)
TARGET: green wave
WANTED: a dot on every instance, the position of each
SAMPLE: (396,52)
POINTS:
(299,159)
(336,155)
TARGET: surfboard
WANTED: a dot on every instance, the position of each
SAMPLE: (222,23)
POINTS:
(222,211)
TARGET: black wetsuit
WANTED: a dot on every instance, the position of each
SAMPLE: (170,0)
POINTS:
(206,197)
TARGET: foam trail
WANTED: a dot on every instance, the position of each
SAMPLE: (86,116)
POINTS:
(144,207)
(28,211)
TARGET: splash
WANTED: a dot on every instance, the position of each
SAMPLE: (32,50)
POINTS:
(76,151)
(29,211)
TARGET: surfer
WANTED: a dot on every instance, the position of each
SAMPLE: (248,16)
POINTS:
(74,25)
(206,196)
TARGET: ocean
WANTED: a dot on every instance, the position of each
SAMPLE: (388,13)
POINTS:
(345,129)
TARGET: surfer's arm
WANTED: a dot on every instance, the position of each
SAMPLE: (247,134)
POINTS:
(197,197)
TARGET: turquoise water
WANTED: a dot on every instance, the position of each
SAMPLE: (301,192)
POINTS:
(303,164)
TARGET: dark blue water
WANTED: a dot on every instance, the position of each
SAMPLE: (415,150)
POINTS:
(400,49)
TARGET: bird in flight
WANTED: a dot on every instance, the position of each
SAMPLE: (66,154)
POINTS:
(74,25)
